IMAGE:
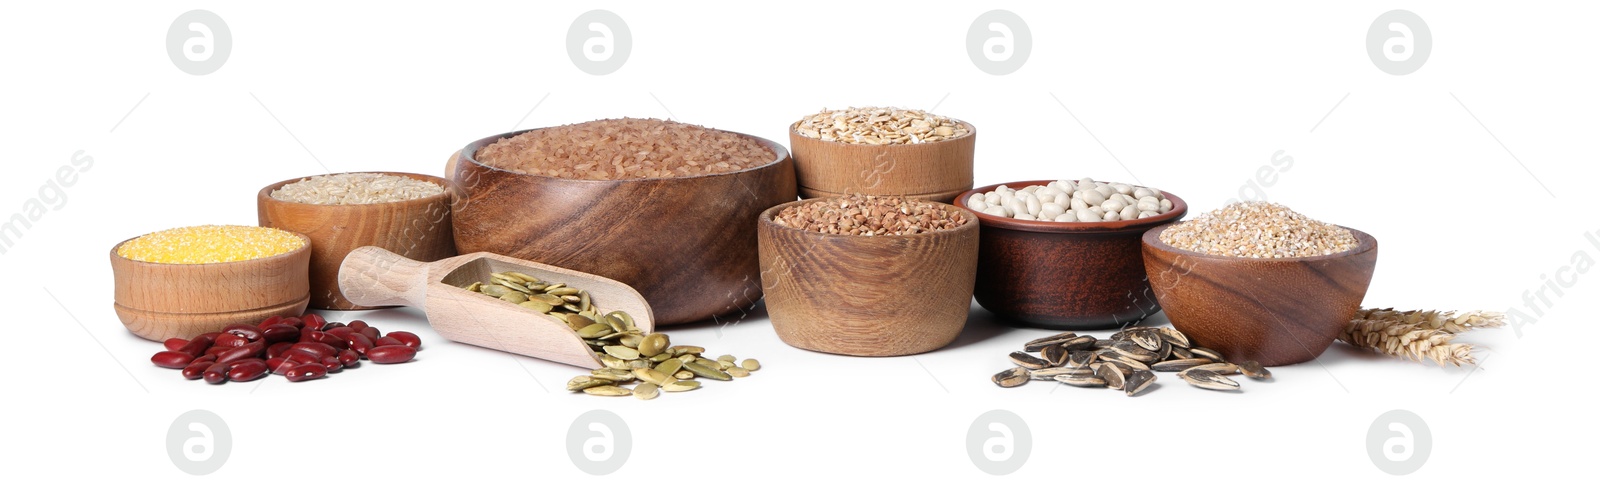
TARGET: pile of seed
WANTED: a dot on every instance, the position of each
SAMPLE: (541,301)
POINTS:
(1127,362)
(1259,230)
(880,126)
(210,244)
(356,189)
(626,148)
(1084,200)
(867,215)
(628,353)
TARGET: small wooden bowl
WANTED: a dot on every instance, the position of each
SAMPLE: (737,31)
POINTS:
(161,301)
(1070,276)
(687,244)
(1273,311)
(868,296)
(418,229)
(936,171)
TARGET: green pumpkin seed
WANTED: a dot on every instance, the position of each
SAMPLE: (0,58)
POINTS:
(536,306)
(585,381)
(608,391)
(475,287)
(595,331)
(706,371)
(562,291)
(646,391)
(653,344)
(678,350)
(622,352)
(652,376)
(577,321)
(494,290)
(738,372)
(669,366)
(683,375)
(523,277)
(750,364)
(680,386)
(632,341)
(553,301)
(614,363)
(514,297)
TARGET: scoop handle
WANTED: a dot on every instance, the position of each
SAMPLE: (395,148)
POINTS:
(372,276)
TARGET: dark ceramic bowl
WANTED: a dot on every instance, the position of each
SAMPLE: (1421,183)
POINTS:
(1273,311)
(1071,276)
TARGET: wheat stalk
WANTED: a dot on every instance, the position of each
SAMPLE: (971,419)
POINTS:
(1418,335)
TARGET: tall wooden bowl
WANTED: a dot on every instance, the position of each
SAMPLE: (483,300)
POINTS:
(1273,311)
(1061,275)
(161,301)
(687,244)
(883,295)
(935,171)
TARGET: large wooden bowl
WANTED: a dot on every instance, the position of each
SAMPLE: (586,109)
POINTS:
(883,295)
(1065,275)
(1273,311)
(935,171)
(161,301)
(687,244)
(418,229)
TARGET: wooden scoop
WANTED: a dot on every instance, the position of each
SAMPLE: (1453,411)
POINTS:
(372,276)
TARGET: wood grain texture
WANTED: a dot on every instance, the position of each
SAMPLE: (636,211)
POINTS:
(1273,311)
(419,229)
(371,276)
(687,244)
(1060,275)
(867,296)
(935,171)
(161,301)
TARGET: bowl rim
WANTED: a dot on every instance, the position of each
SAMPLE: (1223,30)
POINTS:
(265,195)
(469,153)
(1365,243)
(766,220)
(1180,208)
(972,131)
(305,248)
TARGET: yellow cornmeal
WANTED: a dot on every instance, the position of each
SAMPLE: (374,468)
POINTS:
(210,244)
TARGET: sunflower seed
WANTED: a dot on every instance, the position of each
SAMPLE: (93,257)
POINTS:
(1207,353)
(1055,354)
(1112,375)
(1179,365)
(1012,377)
(1050,373)
(1175,337)
(1254,370)
(1029,361)
(1206,379)
(1223,368)
(1081,381)
(646,391)
(1081,358)
(1135,365)
(1181,353)
(1137,382)
(1079,343)
(1035,346)
(1147,339)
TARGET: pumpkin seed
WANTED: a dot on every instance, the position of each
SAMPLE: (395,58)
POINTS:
(646,391)
(548,299)
(535,306)
(680,386)
(709,372)
(682,350)
(574,320)
(622,352)
(586,381)
(750,364)
(607,391)
(738,371)
(669,366)
(562,291)
(494,290)
(614,375)
(653,344)
(652,376)
(523,277)
(683,375)
(633,341)
(594,331)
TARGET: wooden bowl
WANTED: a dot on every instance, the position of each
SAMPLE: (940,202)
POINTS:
(161,301)
(418,229)
(1273,311)
(935,171)
(687,244)
(875,296)
(1065,275)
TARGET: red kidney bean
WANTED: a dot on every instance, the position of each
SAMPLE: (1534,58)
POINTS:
(335,342)
(316,348)
(217,373)
(171,360)
(218,350)
(333,364)
(251,350)
(247,371)
(373,334)
(277,349)
(204,358)
(301,356)
(349,358)
(196,370)
(305,334)
(293,321)
(231,340)
(343,332)
(406,338)
(281,365)
(199,344)
(271,320)
(313,321)
(391,354)
(357,325)
(388,341)
(306,372)
(360,343)
(249,332)
(174,344)
(280,333)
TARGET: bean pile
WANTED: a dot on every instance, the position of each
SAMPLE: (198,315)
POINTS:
(300,349)
(1084,200)
(870,215)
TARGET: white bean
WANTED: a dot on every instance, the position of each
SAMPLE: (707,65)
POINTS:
(1166,205)
(1146,214)
(977,205)
(996,211)
(1064,199)
(1148,206)
(1033,205)
(1017,207)
(992,198)
(1130,213)
(1143,192)
(1122,188)
(1051,211)
(1111,216)
(1092,197)
(1086,183)
(1105,190)
(1067,217)
(1006,199)
(1113,205)
(1024,216)
(1079,204)
(1088,215)
(975,199)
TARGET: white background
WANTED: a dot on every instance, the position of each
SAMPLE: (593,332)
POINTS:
(1189,97)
